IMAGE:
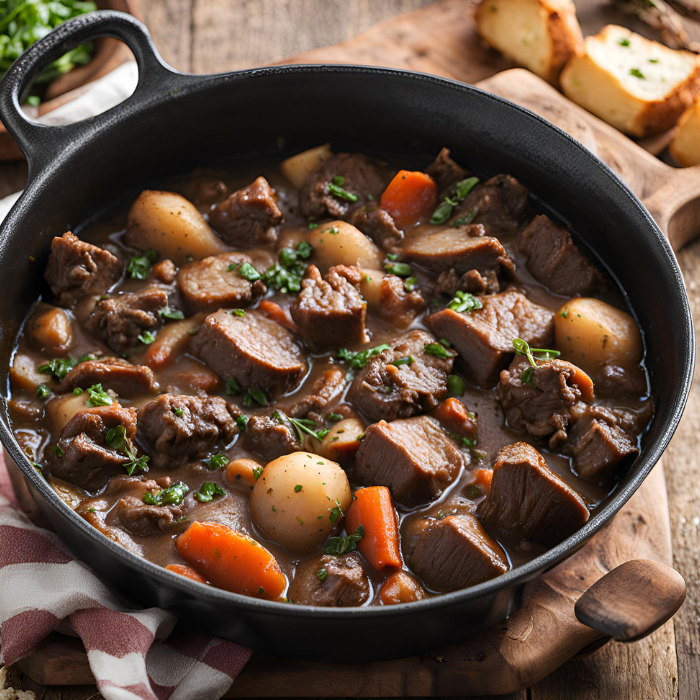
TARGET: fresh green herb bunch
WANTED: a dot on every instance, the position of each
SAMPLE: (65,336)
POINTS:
(24,22)
(287,273)
(532,354)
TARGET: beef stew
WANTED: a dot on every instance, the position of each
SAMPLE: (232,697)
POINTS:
(260,380)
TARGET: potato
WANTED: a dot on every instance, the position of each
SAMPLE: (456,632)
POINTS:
(23,374)
(341,443)
(340,243)
(590,332)
(51,330)
(171,225)
(294,499)
(371,286)
(297,168)
(63,407)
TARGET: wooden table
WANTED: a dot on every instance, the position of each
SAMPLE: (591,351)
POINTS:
(204,36)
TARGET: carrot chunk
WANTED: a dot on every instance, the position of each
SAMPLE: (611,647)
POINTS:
(186,571)
(276,313)
(409,196)
(373,509)
(231,560)
(400,588)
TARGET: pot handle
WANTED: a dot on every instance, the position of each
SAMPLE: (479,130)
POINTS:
(40,142)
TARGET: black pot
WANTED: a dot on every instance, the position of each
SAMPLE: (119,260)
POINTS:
(174,122)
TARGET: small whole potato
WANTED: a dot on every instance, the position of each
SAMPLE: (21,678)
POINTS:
(340,243)
(171,225)
(297,168)
(298,500)
(590,333)
(51,330)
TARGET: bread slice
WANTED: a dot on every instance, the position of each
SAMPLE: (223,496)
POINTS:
(540,35)
(639,86)
(685,146)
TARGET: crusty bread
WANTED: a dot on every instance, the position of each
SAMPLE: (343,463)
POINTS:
(685,146)
(639,86)
(540,35)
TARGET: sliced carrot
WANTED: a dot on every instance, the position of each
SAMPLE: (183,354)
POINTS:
(198,378)
(584,383)
(409,196)
(171,340)
(373,509)
(455,418)
(400,587)
(481,483)
(277,313)
(231,560)
(186,571)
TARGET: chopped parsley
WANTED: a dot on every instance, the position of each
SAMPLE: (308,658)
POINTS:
(341,545)
(334,417)
(116,438)
(172,496)
(207,491)
(218,461)
(392,256)
(136,465)
(410,283)
(140,265)
(286,274)
(77,391)
(444,210)
(465,303)
(255,395)
(301,425)
(298,488)
(564,313)
(257,473)
(58,367)
(232,386)
(338,191)
(236,312)
(398,269)
(437,350)
(170,313)
(58,451)
(241,422)
(247,271)
(465,220)
(322,574)
(336,512)
(359,359)
(637,73)
(624,42)
(404,361)
(42,391)
(178,412)
(98,396)
(532,354)
(147,338)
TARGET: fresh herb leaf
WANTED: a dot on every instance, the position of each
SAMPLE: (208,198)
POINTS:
(462,189)
(236,312)
(392,256)
(298,488)
(77,391)
(58,451)
(170,313)
(637,73)
(207,492)
(342,545)
(140,265)
(147,338)
(404,361)
(313,226)
(42,391)
(526,377)
(464,302)
(241,422)
(249,272)
(455,385)
(410,283)
(322,574)
(136,465)
(116,438)
(287,273)
(437,350)
(338,191)
(522,348)
(339,180)
(359,359)
(334,417)
(98,396)
(232,386)
(218,461)
(58,367)
(256,395)
(564,313)
(178,412)
(465,220)
(398,269)
(336,512)
(257,473)
(172,496)
(624,42)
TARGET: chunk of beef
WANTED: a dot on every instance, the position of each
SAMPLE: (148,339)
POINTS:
(484,337)
(325,390)
(384,390)
(360,177)
(456,553)
(414,458)
(216,282)
(119,320)
(616,382)
(378,224)
(345,585)
(554,260)
(461,249)
(271,436)
(164,271)
(500,203)
(142,519)
(251,351)
(248,216)
(473,281)
(553,393)
(82,455)
(329,311)
(77,269)
(598,444)
(177,429)
(445,172)
(113,373)
(529,501)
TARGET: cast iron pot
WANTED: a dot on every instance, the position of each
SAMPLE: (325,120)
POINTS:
(174,122)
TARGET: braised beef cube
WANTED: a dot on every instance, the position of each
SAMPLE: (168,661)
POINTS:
(598,446)
(403,380)
(544,403)
(327,389)
(82,455)
(484,337)
(176,429)
(216,282)
(203,189)
(77,269)
(329,311)
(122,377)
(164,271)
(617,382)
(271,436)
(499,203)
(462,249)
(121,319)
(414,458)
(456,553)
(250,351)
(141,519)
(472,281)
(345,584)
(378,224)
(359,177)
(445,172)
(528,501)
(554,260)
(248,216)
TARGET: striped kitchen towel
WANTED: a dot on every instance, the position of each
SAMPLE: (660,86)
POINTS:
(132,653)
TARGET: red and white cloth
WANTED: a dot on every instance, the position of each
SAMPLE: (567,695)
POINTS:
(132,653)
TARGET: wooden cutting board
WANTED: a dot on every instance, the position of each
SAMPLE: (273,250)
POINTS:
(544,633)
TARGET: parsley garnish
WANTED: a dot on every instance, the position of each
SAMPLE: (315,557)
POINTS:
(624,42)
(322,574)
(208,491)
(58,451)
(255,395)
(247,271)
(171,496)
(462,189)
(404,361)
(455,385)
(341,545)
(437,350)
(410,283)
(170,313)
(301,425)
(338,191)
(464,220)
(359,359)
(334,417)
(398,269)
(140,265)
(464,302)
(336,512)
(147,338)
(98,396)
(116,438)
(58,367)
(523,348)
(42,391)
(218,461)
(232,386)
(287,273)
(637,73)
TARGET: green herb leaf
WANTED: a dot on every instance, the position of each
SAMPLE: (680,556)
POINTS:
(207,492)
(172,496)
(241,422)
(359,359)
(257,473)
(334,417)
(298,488)
(462,189)
(455,385)
(341,193)
(336,512)
(147,338)
(218,461)
(526,377)
(624,42)
(398,269)
(522,348)
(116,438)
(77,391)
(58,367)
(392,256)
(464,302)
(247,271)
(637,73)
(465,220)
(342,545)
(404,361)
(140,265)
(437,350)
(410,284)
(98,396)
(42,391)
(232,387)
(58,451)
(322,574)
(339,180)
(136,465)
(258,396)
(170,313)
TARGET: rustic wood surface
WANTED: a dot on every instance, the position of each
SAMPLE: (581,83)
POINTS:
(218,35)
